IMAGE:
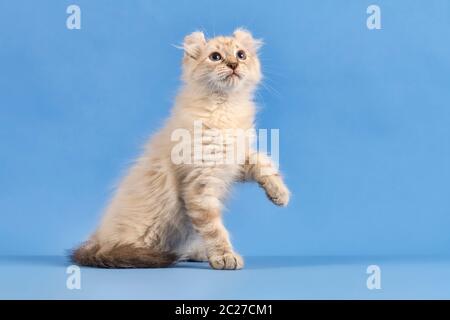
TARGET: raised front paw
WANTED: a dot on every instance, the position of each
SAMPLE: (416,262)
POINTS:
(276,190)
(226,261)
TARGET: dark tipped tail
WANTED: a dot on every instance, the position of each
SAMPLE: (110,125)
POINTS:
(121,256)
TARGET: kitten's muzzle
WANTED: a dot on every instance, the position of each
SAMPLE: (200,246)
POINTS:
(233,74)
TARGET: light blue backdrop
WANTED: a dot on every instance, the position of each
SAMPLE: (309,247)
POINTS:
(363,116)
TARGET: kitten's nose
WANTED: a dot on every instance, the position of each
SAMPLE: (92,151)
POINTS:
(232,65)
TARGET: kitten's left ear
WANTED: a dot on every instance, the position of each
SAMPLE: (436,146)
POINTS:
(193,44)
(246,39)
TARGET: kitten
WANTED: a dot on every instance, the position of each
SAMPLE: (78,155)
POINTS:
(163,211)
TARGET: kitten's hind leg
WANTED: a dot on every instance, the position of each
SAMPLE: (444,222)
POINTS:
(196,250)
(192,249)
(198,256)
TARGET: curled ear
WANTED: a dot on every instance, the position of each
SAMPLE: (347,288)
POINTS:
(193,44)
(244,37)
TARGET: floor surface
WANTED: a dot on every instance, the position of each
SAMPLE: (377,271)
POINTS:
(308,277)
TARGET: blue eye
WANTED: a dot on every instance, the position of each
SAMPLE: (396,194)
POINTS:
(215,56)
(241,55)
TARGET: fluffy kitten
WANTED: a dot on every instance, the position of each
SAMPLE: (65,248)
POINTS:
(164,212)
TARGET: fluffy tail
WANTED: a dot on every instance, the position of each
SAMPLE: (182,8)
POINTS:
(121,256)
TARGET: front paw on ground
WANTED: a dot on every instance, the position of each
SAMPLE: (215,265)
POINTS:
(227,261)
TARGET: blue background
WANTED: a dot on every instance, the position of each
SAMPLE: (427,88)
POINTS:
(363,116)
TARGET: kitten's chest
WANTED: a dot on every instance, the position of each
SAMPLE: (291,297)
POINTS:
(229,116)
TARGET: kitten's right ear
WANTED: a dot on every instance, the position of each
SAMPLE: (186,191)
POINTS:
(193,44)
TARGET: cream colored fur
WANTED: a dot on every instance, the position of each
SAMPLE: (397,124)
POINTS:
(176,208)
